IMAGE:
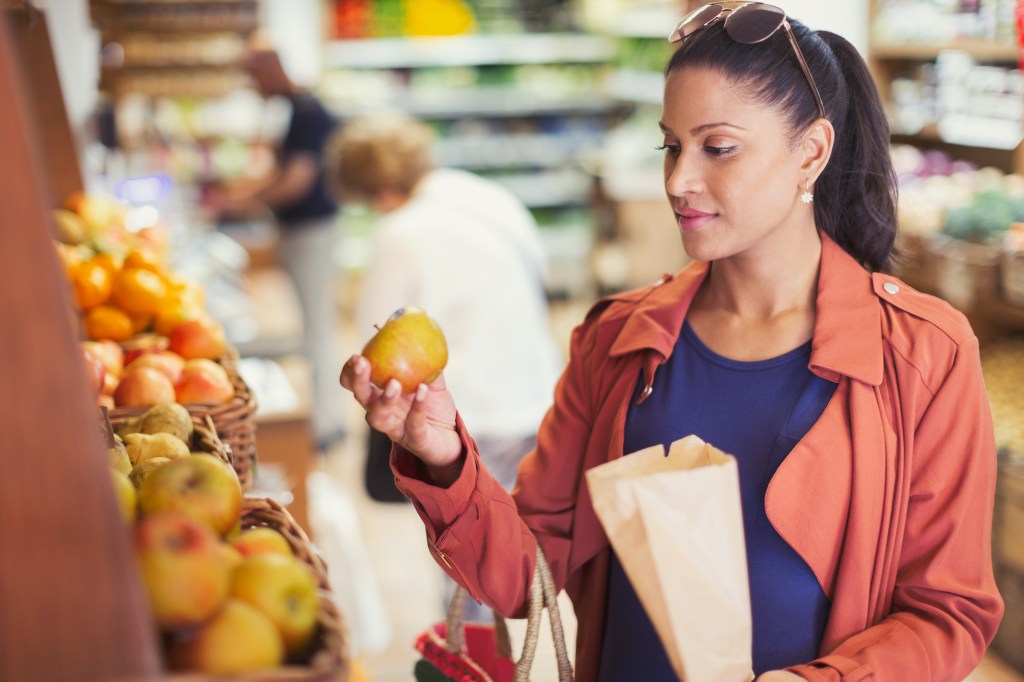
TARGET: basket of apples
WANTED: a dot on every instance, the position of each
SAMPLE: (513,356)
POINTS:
(148,337)
(234,585)
(194,367)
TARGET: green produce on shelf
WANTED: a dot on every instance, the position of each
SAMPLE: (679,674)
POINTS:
(988,215)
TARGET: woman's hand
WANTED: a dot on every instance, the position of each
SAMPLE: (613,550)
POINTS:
(422,422)
(779,676)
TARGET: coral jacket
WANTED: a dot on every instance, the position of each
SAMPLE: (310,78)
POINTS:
(888,498)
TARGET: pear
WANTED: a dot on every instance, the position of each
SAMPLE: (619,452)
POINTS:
(118,458)
(170,418)
(143,446)
(128,426)
(145,468)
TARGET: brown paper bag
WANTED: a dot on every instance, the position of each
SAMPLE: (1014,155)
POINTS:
(676,525)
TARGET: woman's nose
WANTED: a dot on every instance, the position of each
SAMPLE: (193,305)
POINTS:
(681,176)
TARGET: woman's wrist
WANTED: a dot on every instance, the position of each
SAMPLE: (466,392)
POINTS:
(443,476)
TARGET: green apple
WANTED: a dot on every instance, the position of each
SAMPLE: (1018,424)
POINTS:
(238,639)
(200,486)
(285,590)
(410,347)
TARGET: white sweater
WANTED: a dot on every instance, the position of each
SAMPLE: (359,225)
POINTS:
(467,252)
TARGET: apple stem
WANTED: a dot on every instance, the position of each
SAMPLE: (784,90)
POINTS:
(377,327)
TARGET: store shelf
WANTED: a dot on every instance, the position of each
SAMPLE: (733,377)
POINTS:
(549,189)
(629,85)
(488,102)
(510,150)
(969,131)
(652,22)
(980,50)
(407,53)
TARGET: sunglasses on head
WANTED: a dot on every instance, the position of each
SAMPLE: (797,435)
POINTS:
(747,23)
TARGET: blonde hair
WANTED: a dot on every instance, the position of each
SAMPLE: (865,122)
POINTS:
(380,152)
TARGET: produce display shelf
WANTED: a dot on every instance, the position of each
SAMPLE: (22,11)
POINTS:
(494,102)
(472,50)
(980,50)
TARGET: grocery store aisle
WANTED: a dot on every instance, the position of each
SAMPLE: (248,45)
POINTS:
(404,594)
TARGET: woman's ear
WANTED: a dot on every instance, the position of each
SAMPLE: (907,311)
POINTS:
(816,146)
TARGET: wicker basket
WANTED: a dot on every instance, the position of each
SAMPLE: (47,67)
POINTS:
(1012,276)
(235,421)
(204,435)
(329,661)
(965,273)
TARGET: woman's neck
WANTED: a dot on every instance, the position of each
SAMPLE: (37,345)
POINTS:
(767,282)
(759,305)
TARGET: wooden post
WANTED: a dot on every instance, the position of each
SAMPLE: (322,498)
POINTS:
(30,38)
(71,602)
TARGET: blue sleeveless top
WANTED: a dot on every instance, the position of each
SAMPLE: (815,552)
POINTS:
(756,411)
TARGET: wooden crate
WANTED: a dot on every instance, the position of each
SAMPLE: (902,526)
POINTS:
(1008,551)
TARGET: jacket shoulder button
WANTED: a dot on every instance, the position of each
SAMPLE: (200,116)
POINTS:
(891,288)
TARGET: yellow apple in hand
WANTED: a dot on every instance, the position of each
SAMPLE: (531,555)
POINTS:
(260,540)
(199,486)
(409,347)
(285,590)
(182,568)
(240,638)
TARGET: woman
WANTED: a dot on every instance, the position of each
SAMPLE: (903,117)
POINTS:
(854,405)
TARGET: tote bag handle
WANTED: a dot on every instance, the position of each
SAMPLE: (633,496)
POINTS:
(542,596)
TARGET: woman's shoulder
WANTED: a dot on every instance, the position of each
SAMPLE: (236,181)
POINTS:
(922,312)
(924,329)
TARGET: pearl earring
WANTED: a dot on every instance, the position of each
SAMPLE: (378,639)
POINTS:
(806,197)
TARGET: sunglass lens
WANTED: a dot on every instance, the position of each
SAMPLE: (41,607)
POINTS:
(754,23)
(696,20)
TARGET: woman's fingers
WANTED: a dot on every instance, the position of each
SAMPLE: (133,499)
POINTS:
(355,377)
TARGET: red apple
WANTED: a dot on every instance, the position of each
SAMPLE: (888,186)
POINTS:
(109,353)
(94,371)
(199,486)
(182,567)
(143,344)
(166,361)
(409,347)
(204,381)
(143,386)
(199,338)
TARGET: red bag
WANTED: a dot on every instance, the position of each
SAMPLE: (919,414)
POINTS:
(475,652)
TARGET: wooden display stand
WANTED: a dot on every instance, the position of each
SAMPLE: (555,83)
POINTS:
(73,605)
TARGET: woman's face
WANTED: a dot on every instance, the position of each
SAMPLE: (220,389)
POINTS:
(732,175)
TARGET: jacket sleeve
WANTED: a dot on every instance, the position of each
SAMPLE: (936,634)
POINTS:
(945,606)
(485,538)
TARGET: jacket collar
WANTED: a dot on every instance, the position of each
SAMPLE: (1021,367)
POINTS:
(847,329)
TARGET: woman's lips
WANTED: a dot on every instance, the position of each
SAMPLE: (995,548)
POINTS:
(691,220)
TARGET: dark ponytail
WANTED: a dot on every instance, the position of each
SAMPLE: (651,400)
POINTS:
(855,196)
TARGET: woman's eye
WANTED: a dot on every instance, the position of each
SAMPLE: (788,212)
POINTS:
(712,150)
(668,148)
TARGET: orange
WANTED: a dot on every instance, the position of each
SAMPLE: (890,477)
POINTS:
(108,262)
(170,317)
(140,323)
(107,322)
(145,259)
(184,292)
(139,291)
(91,283)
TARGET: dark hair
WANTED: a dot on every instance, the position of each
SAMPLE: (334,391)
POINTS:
(855,196)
